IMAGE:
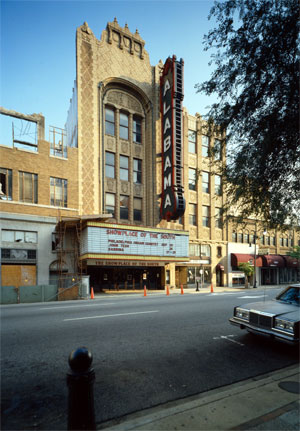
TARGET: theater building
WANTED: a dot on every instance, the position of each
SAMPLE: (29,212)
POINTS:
(130,193)
(120,119)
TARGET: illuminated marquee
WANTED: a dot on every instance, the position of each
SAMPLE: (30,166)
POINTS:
(171,95)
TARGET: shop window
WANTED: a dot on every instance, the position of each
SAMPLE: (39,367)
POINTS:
(205,182)
(124,207)
(192,141)
(205,216)
(58,192)
(110,203)
(124,168)
(205,250)
(137,130)
(109,121)
(193,214)
(137,209)
(28,187)
(137,171)
(205,146)
(123,128)
(109,164)
(192,178)
(218,185)
(5,184)
(218,149)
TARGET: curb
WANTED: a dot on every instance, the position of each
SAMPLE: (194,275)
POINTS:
(237,406)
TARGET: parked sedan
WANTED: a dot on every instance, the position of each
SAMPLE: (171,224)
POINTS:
(277,318)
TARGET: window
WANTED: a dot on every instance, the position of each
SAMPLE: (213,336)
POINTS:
(137,130)
(234,237)
(192,139)
(28,187)
(252,238)
(123,130)
(205,216)
(218,212)
(192,178)
(110,203)
(219,251)
(273,240)
(205,145)
(5,184)
(205,250)
(124,207)
(205,182)
(137,171)
(19,236)
(109,121)
(194,249)
(109,164)
(246,237)
(124,168)
(58,192)
(137,209)
(193,214)
(218,185)
(240,237)
(218,149)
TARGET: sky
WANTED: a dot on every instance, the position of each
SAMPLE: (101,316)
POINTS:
(38,57)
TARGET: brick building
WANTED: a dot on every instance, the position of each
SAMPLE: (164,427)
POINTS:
(92,206)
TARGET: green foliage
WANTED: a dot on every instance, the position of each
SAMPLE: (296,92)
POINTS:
(295,252)
(256,79)
(247,269)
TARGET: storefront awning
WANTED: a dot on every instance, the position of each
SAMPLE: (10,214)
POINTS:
(237,258)
(220,267)
(273,260)
(291,262)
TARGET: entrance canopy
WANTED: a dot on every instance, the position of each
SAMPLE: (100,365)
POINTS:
(237,258)
(265,261)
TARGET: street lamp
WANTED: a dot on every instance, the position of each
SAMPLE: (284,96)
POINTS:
(255,238)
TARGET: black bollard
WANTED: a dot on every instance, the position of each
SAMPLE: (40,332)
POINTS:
(80,381)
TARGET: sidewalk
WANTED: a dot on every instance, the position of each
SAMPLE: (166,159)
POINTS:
(268,402)
(191,290)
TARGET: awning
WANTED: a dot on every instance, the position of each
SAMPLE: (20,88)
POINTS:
(291,262)
(220,267)
(237,258)
(273,260)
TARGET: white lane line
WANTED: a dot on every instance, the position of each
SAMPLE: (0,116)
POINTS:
(250,297)
(58,307)
(112,315)
(229,338)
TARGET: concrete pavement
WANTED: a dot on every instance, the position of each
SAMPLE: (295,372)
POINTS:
(268,402)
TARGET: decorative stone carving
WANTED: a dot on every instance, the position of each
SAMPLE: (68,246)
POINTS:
(123,100)
(124,147)
(137,190)
(193,232)
(124,187)
(110,184)
(110,143)
(138,150)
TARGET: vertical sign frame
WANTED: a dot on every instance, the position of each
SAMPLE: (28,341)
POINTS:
(171,96)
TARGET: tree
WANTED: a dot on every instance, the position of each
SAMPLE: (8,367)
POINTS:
(295,252)
(248,270)
(256,79)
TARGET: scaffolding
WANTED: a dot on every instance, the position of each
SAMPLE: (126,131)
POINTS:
(68,237)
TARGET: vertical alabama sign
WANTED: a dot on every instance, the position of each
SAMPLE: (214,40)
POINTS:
(171,96)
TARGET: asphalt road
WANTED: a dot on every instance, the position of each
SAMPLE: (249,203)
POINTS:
(147,351)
